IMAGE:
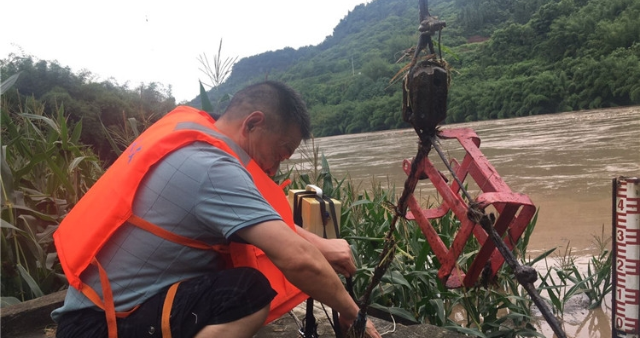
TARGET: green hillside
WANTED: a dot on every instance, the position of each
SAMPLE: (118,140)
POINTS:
(509,58)
(105,107)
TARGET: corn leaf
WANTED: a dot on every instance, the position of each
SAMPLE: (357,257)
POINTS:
(204,99)
(35,289)
(6,84)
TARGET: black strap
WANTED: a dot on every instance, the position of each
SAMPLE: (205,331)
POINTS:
(325,218)
(332,209)
(323,215)
(297,205)
(310,326)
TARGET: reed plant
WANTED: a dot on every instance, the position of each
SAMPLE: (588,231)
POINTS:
(564,281)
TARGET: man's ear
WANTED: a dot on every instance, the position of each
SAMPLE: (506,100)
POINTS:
(252,121)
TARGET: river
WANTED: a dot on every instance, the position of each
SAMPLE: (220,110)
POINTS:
(564,162)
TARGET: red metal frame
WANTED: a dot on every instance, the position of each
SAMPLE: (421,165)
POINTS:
(515,211)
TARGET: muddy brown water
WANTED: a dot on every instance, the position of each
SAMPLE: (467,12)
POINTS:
(564,162)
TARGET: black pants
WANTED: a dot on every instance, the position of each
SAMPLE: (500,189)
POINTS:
(216,298)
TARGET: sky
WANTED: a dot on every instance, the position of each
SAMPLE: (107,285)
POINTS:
(143,41)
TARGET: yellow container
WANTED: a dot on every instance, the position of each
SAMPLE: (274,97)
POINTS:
(311,214)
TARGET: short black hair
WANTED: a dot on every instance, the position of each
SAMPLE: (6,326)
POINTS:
(278,101)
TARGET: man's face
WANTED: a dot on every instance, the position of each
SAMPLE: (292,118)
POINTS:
(268,147)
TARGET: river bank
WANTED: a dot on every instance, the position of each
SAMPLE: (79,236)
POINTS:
(31,320)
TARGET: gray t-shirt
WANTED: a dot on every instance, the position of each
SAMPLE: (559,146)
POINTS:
(198,191)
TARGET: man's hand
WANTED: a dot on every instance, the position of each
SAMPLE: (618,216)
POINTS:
(336,251)
(300,258)
(338,254)
(370,330)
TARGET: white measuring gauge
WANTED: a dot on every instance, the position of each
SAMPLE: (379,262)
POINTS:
(626,307)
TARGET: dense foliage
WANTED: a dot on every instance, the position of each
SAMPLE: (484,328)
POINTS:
(411,291)
(45,170)
(509,58)
(101,105)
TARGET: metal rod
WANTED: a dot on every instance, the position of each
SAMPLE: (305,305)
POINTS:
(388,250)
(521,274)
(401,210)
(487,224)
(423,5)
(446,163)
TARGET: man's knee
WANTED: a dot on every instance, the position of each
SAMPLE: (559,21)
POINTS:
(246,326)
(250,278)
(222,297)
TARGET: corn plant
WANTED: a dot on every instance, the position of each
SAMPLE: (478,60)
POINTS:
(120,136)
(220,70)
(217,74)
(410,291)
(45,171)
(315,170)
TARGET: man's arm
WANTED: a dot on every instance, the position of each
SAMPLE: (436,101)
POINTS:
(336,251)
(304,266)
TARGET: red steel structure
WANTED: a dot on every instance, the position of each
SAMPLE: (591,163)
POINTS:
(514,211)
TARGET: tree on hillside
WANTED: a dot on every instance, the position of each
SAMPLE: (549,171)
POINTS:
(97,104)
(532,57)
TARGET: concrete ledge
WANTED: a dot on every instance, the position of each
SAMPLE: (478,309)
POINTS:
(31,319)
(287,328)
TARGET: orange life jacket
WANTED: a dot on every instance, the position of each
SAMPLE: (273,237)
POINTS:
(108,204)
